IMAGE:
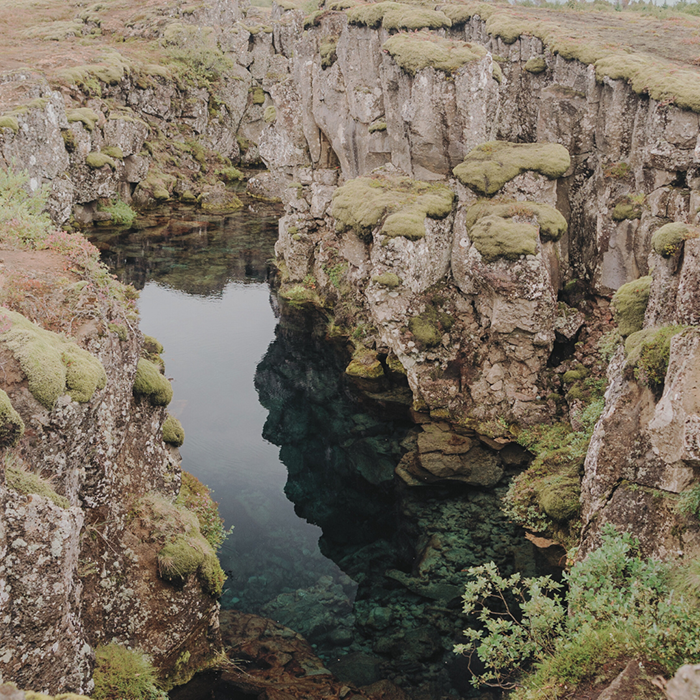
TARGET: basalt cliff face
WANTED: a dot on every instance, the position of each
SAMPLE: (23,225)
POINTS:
(461,202)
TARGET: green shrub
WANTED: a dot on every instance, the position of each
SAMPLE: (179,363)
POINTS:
(488,167)
(124,674)
(11,423)
(173,432)
(668,239)
(630,304)
(151,384)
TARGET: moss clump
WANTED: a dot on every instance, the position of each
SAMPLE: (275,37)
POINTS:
(458,14)
(559,497)
(377,126)
(552,224)
(124,673)
(257,96)
(69,140)
(51,364)
(495,237)
(414,52)
(626,210)
(173,432)
(371,15)
(327,51)
(413,17)
(19,478)
(152,346)
(536,65)
(424,328)
(187,555)
(97,160)
(365,365)
(120,330)
(87,117)
(387,279)
(648,351)
(402,203)
(630,304)
(196,498)
(575,375)
(11,423)
(394,365)
(151,384)
(270,115)
(668,239)
(114,152)
(490,166)
(229,174)
(9,122)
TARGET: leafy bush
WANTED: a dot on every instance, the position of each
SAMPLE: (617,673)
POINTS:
(618,604)
(122,673)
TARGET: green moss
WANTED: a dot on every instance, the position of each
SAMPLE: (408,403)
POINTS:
(559,497)
(151,384)
(414,52)
(414,17)
(575,375)
(229,174)
(365,364)
(394,365)
(152,346)
(11,423)
(69,140)
(86,116)
(648,351)
(458,14)
(9,122)
(424,328)
(668,239)
(173,432)
(114,152)
(51,364)
(270,115)
(496,72)
(97,159)
(371,15)
(19,478)
(120,330)
(377,126)
(187,555)
(327,51)
(196,498)
(630,303)
(552,224)
(160,194)
(387,279)
(124,673)
(495,237)
(536,65)
(402,203)
(490,166)
(257,95)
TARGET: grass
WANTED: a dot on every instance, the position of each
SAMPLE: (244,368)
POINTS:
(196,497)
(122,673)
(11,423)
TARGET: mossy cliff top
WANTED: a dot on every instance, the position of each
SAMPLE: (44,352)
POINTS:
(401,203)
(488,167)
(414,52)
(552,224)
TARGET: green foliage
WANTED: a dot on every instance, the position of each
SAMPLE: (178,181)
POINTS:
(51,364)
(20,478)
(648,351)
(574,375)
(414,52)
(196,497)
(669,239)
(22,215)
(97,159)
(11,423)
(495,237)
(361,204)
(122,673)
(122,214)
(630,304)
(327,51)
(689,502)
(151,384)
(86,116)
(536,64)
(618,604)
(491,165)
(173,432)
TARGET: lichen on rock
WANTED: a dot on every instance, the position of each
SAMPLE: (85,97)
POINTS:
(488,167)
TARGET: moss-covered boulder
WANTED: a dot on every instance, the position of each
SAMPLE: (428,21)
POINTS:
(425,329)
(414,52)
(53,366)
(559,497)
(552,223)
(415,17)
(173,432)
(400,203)
(490,166)
(668,239)
(535,65)
(387,279)
(365,365)
(630,304)
(11,423)
(150,384)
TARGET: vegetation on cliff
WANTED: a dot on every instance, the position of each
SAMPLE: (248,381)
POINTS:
(551,223)
(11,423)
(630,303)
(150,384)
(668,239)
(125,673)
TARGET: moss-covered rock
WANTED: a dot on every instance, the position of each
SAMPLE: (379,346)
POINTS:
(495,237)
(377,126)
(630,304)
(124,673)
(327,51)
(187,555)
(86,116)
(150,384)
(173,432)
(387,279)
(425,328)
(536,65)
(559,497)
(113,152)
(257,95)
(668,239)
(403,204)
(53,366)
(7,121)
(414,52)
(270,114)
(394,365)
(19,478)
(626,210)
(11,423)
(648,351)
(371,15)
(97,159)
(415,17)
(575,375)
(551,222)
(490,166)
(365,365)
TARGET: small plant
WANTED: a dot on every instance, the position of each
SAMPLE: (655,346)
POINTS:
(122,214)
(122,673)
